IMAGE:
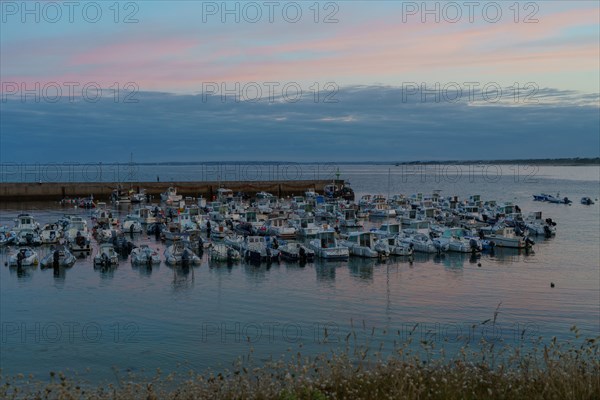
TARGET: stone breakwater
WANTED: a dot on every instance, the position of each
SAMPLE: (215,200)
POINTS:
(103,190)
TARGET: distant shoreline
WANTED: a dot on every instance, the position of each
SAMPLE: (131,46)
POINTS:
(544,161)
(556,162)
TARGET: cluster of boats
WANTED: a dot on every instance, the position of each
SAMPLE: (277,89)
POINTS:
(268,229)
(558,200)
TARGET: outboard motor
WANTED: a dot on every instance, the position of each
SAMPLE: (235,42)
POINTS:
(200,245)
(474,245)
(302,254)
(268,254)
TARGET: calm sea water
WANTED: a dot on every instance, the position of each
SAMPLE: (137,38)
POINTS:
(140,319)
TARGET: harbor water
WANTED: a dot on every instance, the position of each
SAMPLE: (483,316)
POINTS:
(138,319)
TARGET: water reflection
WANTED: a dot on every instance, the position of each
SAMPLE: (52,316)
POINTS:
(183,277)
(504,255)
(145,270)
(222,266)
(257,271)
(106,271)
(23,273)
(59,273)
(362,268)
(326,270)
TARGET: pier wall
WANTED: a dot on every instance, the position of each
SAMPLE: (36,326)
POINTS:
(102,190)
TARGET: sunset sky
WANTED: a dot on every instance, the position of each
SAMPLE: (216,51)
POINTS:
(369,57)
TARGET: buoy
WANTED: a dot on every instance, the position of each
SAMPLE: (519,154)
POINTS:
(479,264)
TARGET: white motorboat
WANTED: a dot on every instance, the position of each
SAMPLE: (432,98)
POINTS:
(255,248)
(506,237)
(178,253)
(296,252)
(281,228)
(105,233)
(7,236)
(382,210)
(456,240)
(365,244)
(77,234)
(170,196)
(28,237)
(235,241)
(26,255)
(131,226)
(326,246)
(144,255)
(536,225)
(219,233)
(587,201)
(106,256)
(144,215)
(50,234)
(397,247)
(26,222)
(65,258)
(223,252)
(306,227)
(422,243)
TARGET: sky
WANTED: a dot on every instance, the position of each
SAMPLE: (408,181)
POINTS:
(298,81)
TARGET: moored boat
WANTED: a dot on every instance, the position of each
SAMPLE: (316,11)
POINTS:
(63,257)
(144,255)
(23,257)
(106,256)
(326,246)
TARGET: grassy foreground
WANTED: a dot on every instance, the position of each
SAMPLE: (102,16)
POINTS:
(553,370)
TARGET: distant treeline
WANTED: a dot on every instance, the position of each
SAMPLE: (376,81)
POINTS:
(528,161)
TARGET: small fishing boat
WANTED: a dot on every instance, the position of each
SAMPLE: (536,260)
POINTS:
(506,237)
(7,236)
(26,255)
(223,252)
(144,255)
(397,247)
(219,233)
(120,196)
(77,230)
(455,239)
(65,258)
(170,196)
(28,237)
(558,200)
(255,248)
(326,246)
(50,234)
(144,215)
(536,225)
(178,253)
(587,201)
(138,197)
(280,227)
(131,226)
(106,256)
(365,244)
(422,243)
(26,222)
(296,252)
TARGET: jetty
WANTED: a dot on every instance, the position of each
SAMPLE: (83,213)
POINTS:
(54,191)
